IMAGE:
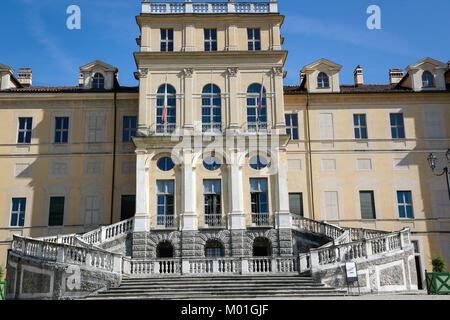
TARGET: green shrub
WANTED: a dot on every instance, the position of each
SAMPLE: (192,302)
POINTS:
(439,264)
(2,273)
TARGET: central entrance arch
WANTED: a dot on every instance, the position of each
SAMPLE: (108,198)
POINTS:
(164,250)
(262,247)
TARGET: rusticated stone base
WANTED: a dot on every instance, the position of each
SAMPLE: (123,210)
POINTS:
(235,243)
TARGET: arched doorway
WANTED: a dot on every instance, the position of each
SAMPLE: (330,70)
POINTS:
(164,250)
(262,247)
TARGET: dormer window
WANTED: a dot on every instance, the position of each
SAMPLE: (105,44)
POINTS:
(99,81)
(323,81)
(427,79)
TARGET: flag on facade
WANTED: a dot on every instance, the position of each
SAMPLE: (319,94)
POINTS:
(260,98)
(164,113)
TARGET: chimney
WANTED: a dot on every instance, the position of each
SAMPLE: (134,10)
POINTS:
(25,77)
(395,76)
(302,77)
(358,76)
(80,80)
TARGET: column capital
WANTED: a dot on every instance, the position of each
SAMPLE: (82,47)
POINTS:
(141,151)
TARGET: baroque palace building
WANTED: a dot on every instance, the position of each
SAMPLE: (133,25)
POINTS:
(212,155)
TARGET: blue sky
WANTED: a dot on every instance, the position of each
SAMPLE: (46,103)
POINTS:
(34,34)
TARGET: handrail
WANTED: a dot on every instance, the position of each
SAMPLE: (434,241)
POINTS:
(315,226)
(270,6)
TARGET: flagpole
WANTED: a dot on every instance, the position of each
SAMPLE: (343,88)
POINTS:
(165,106)
(260,99)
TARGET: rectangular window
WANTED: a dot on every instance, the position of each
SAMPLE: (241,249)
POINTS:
(56,211)
(127,207)
(18,212)
(258,195)
(367,202)
(96,125)
(212,202)
(129,128)
(404,201)
(326,126)
(331,205)
(296,204)
(210,39)
(292,126)
(92,210)
(254,39)
(360,126)
(24,135)
(165,198)
(61,129)
(166,40)
(397,126)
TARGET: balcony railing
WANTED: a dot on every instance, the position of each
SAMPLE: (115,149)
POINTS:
(260,220)
(257,127)
(270,6)
(165,221)
(212,128)
(213,220)
(165,128)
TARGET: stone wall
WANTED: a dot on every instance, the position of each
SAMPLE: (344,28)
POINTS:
(30,278)
(389,272)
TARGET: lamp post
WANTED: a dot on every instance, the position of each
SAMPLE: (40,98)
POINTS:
(432,163)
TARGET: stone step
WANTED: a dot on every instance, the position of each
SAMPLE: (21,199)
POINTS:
(218,281)
(215,289)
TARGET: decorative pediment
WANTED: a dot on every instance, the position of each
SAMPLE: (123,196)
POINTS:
(97,64)
(322,64)
(426,75)
(427,63)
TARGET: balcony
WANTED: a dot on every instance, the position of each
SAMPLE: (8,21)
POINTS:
(261,220)
(165,222)
(210,7)
(166,129)
(213,221)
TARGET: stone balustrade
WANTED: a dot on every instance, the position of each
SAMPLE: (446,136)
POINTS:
(360,249)
(313,226)
(209,7)
(67,254)
(109,233)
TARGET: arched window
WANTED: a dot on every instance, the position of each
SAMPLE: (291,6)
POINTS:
(427,79)
(323,81)
(98,81)
(256,108)
(262,247)
(164,250)
(211,109)
(214,249)
(166,123)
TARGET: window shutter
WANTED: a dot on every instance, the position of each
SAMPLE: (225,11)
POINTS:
(326,126)
(331,205)
(367,204)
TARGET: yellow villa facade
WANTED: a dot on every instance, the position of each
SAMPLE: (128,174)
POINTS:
(353,155)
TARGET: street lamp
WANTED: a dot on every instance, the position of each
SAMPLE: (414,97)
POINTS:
(432,163)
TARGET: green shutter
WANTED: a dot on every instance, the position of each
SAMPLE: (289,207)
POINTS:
(56,214)
(367,204)
(296,204)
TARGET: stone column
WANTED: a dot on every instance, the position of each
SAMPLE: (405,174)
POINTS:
(283,218)
(187,107)
(144,115)
(189,218)
(142,216)
(278,119)
(236,217)
(233,102)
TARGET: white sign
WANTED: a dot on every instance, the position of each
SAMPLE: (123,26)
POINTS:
(351,271)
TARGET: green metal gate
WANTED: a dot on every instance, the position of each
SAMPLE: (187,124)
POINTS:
(2,290)
(438,282)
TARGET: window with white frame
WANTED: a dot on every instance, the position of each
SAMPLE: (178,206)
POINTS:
(292,125)
(166,40)
(211,109)
(404,202)
(254,39)
(18,207)
(98,81)
(323,80)
(210,39)
(212,202)
(61,129)
(24,134)
(397,126)
(256,108)
(165,199)
(427,80)
(360,126)
(129,128)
